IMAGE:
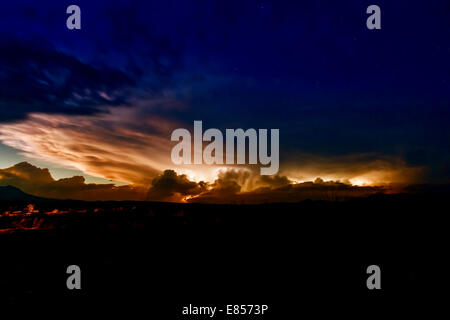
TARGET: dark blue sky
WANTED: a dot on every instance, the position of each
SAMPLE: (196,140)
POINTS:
(310,68)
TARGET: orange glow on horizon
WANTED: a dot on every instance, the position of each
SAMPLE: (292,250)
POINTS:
(114,147)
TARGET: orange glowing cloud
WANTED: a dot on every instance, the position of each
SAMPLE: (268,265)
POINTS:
(354,169)
(120,145)
(127,144)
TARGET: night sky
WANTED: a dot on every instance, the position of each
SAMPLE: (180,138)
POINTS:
(362,110)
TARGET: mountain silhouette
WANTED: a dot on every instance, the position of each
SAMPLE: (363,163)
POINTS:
(10,193)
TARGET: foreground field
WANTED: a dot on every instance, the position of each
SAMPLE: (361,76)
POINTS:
(160,256)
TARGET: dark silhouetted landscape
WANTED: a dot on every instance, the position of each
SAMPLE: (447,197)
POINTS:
(132,252)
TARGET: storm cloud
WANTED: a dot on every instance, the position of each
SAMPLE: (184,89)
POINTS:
(228,188)
(39,182)
(36,78)
(104,99)
(173,187)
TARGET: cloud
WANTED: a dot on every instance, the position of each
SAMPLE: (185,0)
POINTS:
(227,188)
(369,169)
(149,46)
(34,78)
(317,190)
(39,182)
(232,181)
(132,144)
(173,187)
(123,144)
(275,181)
